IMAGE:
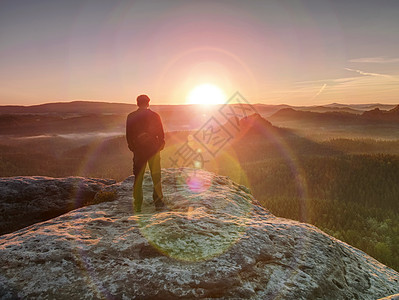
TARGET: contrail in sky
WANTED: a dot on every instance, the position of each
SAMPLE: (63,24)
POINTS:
(319,92)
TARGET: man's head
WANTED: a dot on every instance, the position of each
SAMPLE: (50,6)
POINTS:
(143,101)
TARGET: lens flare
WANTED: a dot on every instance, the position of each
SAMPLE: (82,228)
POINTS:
(197,184)
(206,216)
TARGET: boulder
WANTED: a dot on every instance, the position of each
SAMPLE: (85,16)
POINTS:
(213,241)
(27,200)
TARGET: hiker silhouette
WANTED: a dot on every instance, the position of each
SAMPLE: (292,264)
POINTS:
(145,138)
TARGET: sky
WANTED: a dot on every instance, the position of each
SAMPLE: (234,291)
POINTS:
(298,52)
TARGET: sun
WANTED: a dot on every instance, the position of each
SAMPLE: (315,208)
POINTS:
(206,94)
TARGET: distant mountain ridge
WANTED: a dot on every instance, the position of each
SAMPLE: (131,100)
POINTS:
(375,114)
(86,116)
(368,106)
(94,107)
(69,107)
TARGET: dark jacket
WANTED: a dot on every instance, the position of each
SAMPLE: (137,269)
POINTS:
(144,132)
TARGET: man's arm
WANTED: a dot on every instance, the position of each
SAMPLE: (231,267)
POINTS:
(129,136)
(160,133)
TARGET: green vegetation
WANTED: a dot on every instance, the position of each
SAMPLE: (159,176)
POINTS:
(364,146)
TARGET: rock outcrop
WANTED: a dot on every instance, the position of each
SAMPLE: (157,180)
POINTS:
(383,115)
(213,241)
(28,200)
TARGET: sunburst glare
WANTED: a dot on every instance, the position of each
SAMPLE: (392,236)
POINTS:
(206,94)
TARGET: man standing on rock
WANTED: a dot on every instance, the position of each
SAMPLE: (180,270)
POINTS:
(145,138)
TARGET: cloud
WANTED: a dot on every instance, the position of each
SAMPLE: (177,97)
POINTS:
(360,86)
(366,87)
(375,60)
(368,73)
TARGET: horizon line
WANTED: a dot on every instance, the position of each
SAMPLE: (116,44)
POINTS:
(190,104)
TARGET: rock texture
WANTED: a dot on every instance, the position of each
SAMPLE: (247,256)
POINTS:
(28,200)
(214,241)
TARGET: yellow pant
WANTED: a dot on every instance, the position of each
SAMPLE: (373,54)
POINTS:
(139,166)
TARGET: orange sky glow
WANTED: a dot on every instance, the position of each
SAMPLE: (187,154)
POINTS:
(273,52)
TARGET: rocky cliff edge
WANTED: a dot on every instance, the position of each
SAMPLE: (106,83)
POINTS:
(214,241)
